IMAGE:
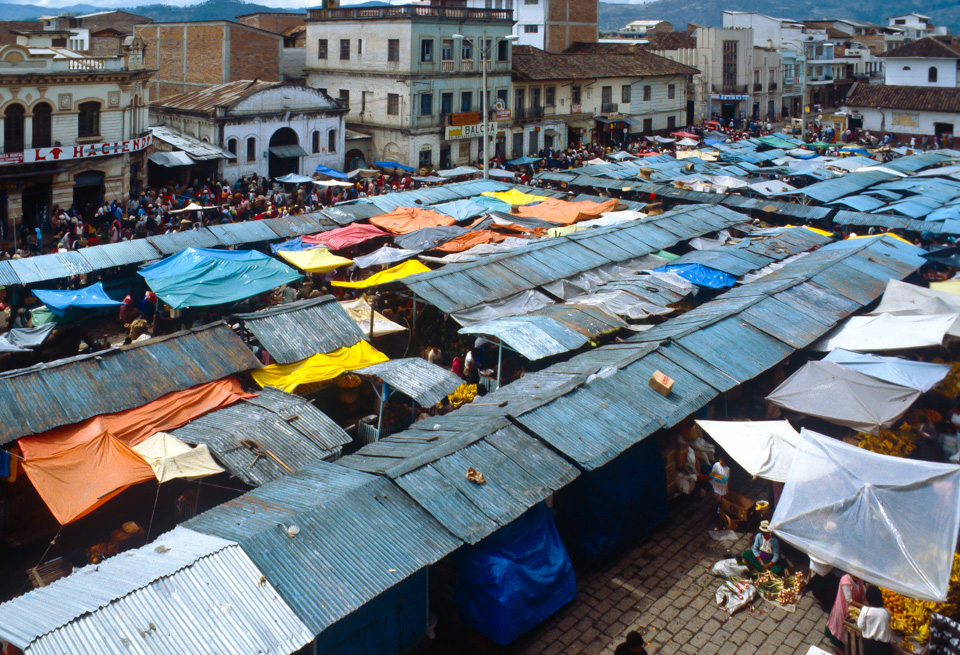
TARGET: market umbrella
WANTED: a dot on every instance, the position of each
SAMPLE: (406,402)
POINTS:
(764,449)
(888,520)
(394,164)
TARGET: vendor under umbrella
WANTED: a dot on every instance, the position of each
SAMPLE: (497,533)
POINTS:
(764,554)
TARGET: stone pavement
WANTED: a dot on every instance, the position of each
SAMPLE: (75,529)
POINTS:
(663,587)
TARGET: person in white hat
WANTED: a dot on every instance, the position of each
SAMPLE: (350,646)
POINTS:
(764,554)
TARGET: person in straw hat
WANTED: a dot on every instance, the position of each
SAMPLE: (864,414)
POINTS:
(764,554)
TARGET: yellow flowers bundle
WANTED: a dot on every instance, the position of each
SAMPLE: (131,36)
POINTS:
(465,393)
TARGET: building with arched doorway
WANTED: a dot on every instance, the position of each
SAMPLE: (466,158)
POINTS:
(262,128)
(72,129)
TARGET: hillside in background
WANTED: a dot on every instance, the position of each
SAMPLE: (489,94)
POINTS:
(709,12)
(209,10)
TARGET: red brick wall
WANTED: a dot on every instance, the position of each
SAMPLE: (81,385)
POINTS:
(254,55)
(105,46)
(272,22)
(120,21)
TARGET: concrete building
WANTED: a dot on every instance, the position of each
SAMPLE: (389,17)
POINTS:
(406,81)
(920,96)
(192,55)
(258,127)
(551,25)
(916,26)
(73,127)
(735,79)
(639,29)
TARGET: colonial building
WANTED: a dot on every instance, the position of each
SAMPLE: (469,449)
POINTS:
(74,128)
(551,25)
(257,127)
(736,79)
(407,82)
(920,96)
(193,55)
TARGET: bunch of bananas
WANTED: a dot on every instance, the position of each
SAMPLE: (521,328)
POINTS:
(899,444)
(464,394)
(950,387)
(912,617)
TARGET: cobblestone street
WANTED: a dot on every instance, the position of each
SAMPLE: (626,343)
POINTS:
(663,587)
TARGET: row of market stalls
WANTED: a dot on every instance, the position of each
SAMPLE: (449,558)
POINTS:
(341,548)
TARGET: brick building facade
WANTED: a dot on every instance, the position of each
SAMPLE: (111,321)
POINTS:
(192,55)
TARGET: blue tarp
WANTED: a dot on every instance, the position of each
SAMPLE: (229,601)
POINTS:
(331,172)
(701,275)
(461,210)
(922,376)
(515,578)
(520,161)
(393,164)
(614,504)
(200,277)
(92,297)
(295,244)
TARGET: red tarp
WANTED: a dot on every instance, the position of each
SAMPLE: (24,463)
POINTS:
(344,237)
(568,213)
(685,135)
(403,220)
(79,467)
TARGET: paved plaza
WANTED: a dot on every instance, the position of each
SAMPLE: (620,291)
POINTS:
(663,587)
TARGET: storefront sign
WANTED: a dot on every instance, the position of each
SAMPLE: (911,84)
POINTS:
(64,153)
(453,133)
(723,96)
(465,118)
(503,114)
(576,109)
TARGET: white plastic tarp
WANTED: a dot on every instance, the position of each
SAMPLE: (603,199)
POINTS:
(516,305)
(888,332)
(910,300)
(359,311)
(890,521)
(620,303)
(843,396)
(763,448)
(170,458)
(922,376)
(614,218)
(383,256)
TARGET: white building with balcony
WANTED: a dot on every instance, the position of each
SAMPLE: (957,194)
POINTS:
(73,128)
(916,26)
(407,82)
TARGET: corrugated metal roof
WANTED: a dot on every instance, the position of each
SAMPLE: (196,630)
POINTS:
(122,253)
(346,213)
(283,424)
(173,242)
(7,276)
(234,234)
(424,382)
(294,226)
(829,190)
(359,535)
(302,329)
(459,286)
(519,472)
(65,391)
(844,217)
(182,590)
(209,99)
(50,267)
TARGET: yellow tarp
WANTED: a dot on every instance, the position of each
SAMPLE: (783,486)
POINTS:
(696,154)
(885,234)
(947,286)
(314,260)
(564,231)
(514,197)
(319,368)
(409,267)
(170,458)
(819,231)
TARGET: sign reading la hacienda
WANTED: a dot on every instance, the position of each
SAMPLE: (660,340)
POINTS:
(63,153)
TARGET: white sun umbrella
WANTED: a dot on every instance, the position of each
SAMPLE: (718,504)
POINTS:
(687,142)
(763,448)
(192,207)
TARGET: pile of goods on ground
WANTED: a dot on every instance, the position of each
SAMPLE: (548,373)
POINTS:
(911,617)
(784,590)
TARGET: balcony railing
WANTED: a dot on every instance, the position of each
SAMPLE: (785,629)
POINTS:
(609,108)
(527,112)
(729,88)
(772,87)
(757,87)
(410,11)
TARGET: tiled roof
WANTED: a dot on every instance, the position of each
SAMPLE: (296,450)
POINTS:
(929,47)
(531,63)
(670,41)
(208,99)
(917,98)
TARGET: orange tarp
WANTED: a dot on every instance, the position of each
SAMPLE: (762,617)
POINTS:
(568,213)
(403,220)
(77,468)
(471,239)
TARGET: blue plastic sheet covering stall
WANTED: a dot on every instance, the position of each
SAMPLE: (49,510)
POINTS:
(515,578)
(701,275)
(614,504)
(92,297)
(201,277)
(295,244)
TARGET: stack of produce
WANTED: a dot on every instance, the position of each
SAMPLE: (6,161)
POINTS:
(950,387)
(899,444)
(911,617)
(783,590)
(465,393)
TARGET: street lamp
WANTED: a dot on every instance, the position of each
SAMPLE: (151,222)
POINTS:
(485,53)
